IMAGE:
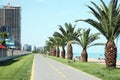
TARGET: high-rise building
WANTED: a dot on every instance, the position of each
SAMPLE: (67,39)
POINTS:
(11,16)
(27,47)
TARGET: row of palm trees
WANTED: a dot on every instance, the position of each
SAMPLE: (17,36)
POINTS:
(69,36)
(62,39)
(107,22)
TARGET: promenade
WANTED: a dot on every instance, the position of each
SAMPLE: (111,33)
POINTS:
(48,69)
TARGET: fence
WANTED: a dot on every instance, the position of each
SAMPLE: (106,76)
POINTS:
(6,54)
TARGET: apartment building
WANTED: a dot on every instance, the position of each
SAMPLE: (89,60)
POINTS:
(11,16)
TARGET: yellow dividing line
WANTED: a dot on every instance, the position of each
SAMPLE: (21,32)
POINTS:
(32,73)
(57,70)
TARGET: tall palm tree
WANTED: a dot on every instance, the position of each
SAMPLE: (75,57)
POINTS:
(108,23)
(4,35)
(53,44)
(85,41)
(62,42)
(57,44)
(49,47)
(69,34)
(46,48)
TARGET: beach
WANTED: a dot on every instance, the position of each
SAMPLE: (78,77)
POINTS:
(102,61)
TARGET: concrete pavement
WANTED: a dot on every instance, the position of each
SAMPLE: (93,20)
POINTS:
(48,69)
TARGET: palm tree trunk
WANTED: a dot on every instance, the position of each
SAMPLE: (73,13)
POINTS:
(63,52)
(69,52)
(53,52)
(84,56)
(110,54)
(57,52)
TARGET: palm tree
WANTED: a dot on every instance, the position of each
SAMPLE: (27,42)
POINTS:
(57,44)
(108,23)
(50,44)
(49,47)
(85,41)
(62,42)
(69,34)
(53,45)
(4,35)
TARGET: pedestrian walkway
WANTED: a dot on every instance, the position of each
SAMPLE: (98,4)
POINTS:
(48,69)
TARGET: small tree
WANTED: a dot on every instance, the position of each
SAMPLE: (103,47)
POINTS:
(4,35)
(85,41)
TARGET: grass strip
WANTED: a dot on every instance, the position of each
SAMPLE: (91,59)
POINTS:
(17,69)
(98,70)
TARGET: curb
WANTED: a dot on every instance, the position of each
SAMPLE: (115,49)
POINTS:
(32,73)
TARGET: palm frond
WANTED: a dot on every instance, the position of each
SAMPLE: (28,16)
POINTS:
(96,44)
(62,30)
(104,6)
(86,39)
(108,19)
(95,13)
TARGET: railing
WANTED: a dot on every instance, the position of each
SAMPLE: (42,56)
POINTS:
(6,54)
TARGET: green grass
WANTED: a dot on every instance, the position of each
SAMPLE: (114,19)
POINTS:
(95,69)
(16,69)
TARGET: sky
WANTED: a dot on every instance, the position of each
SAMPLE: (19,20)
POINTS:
(40,18)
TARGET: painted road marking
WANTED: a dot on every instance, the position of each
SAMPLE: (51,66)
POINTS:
(32,73)
(57,70)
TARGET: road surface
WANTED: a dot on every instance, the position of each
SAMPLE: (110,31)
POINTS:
(48,69)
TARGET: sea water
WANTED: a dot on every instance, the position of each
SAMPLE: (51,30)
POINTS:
(96,55)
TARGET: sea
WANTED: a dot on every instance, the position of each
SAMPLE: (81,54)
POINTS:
(95,55)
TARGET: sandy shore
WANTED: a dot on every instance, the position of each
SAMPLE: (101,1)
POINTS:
(101,61)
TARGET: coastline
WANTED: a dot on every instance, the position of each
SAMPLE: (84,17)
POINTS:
(102,61)
(95,55)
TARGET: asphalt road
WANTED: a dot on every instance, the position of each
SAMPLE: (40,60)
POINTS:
(48,69)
